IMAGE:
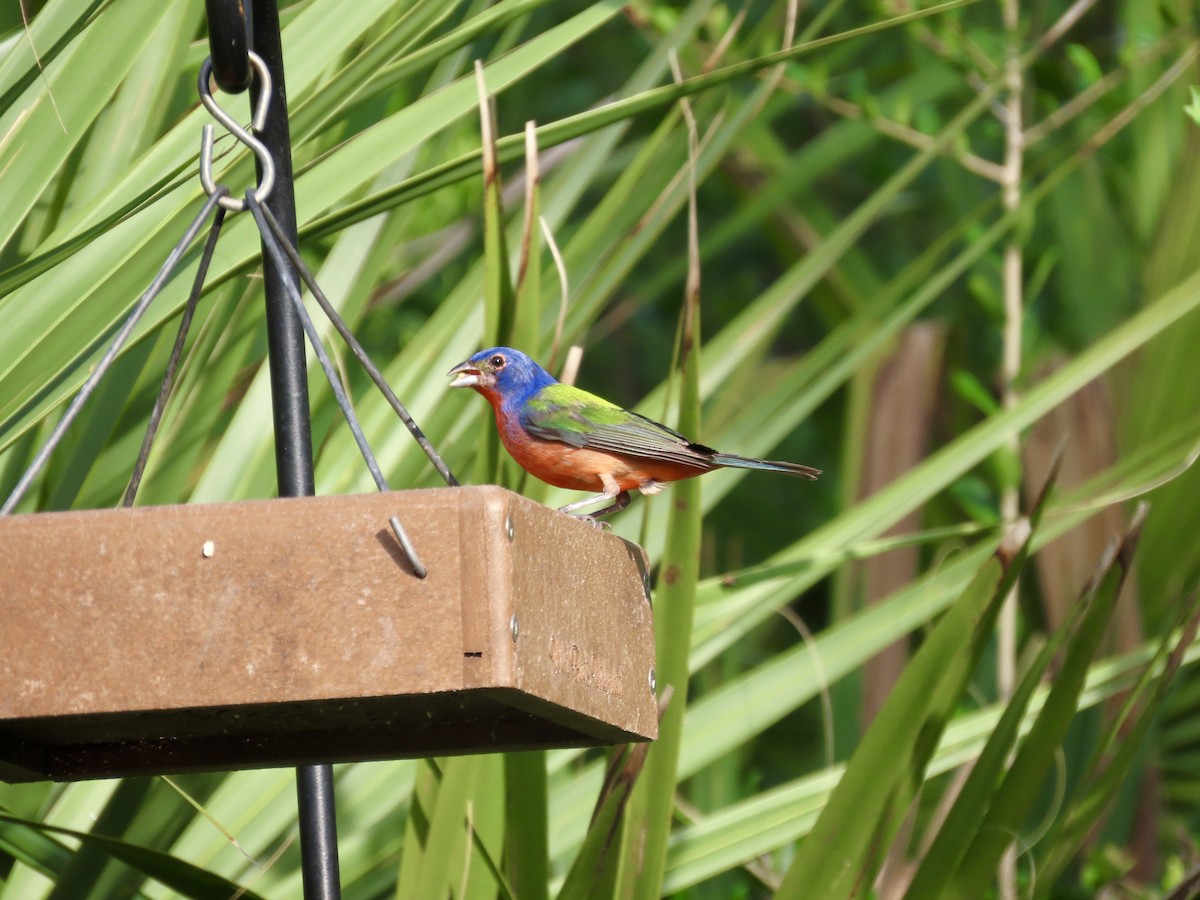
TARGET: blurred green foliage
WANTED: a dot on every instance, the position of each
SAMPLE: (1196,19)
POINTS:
(847,189)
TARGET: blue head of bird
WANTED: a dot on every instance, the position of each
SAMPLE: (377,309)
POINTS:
(501,373)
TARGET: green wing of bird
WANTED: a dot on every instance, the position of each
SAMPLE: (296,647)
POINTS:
(561,412)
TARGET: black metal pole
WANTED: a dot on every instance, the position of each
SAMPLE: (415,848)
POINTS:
(227,44)
(293,434)
(285,337)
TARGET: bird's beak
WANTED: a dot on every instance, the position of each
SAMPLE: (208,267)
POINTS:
(468,375)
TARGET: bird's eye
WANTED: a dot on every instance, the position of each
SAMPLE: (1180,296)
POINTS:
(497,361)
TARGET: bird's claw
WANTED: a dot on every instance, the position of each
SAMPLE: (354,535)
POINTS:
(594,522)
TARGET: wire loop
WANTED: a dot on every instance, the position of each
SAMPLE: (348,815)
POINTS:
(265,160)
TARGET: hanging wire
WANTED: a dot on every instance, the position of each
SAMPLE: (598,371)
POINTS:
(168,382)
(218,196)
(274,248)
(357,349)
(282,252)
(118,342)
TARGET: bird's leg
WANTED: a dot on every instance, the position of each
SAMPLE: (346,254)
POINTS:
(587,501)
(612,491)
(619,503)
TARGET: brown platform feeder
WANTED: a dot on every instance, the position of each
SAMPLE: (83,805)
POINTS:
(284,632)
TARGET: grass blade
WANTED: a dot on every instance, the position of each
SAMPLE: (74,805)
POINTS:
(1017,793)
(834,859)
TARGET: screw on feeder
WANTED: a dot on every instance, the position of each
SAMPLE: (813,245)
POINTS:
(266,161)
(653,682)
(508,528)
(515,627)
(406,545)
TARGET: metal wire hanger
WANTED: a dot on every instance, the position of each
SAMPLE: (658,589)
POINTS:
(285,256)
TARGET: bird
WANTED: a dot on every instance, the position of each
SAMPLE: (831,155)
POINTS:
(571,439)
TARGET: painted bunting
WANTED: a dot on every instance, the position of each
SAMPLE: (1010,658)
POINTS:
(576,440)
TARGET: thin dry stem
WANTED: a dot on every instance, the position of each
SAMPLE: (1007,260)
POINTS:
(41,69)
(212,820)
(982,62)
(266,867)
(984,168)
(443,245)
(789,24)
(975,81)
(532,177)
(1013,288)
(810,641)
(789,38)
(1152,93)
(447,243)
(1084,100)
(821,19)
(487,125)
(666,193)
(898,870)
(7,137)
(692,285)
(718,51)
(563,285)
(1064,24)
(570,370)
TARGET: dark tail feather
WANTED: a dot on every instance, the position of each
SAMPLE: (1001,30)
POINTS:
(743,462)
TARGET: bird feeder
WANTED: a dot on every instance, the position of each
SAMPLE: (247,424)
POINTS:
(304,631)
(288,631)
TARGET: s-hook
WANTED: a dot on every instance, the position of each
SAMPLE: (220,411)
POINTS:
(266,162)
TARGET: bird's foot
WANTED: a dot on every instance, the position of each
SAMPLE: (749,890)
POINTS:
(620,501)
(594,522)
